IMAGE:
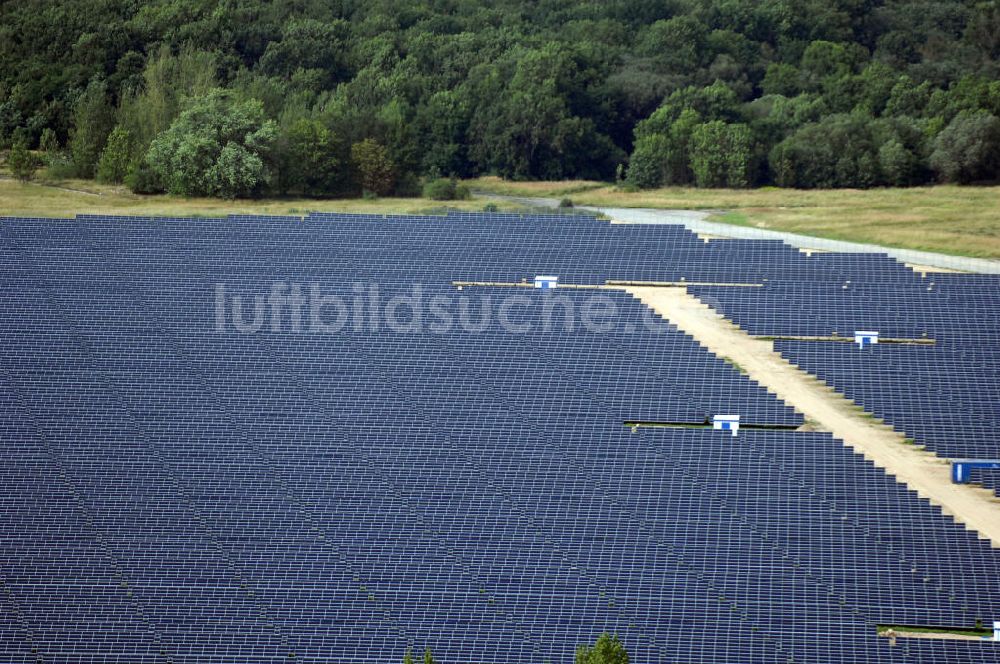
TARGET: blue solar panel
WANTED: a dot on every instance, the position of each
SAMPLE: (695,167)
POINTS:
(178,491)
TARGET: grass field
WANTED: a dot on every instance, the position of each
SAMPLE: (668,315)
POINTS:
(67,198)
(964,221)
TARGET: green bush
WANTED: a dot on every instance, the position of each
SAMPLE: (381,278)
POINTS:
(441,189)
(49,143)
(662,148)
(23,163)
(59,166)
(142,179)
(566,203)
(444,189)
(113,166)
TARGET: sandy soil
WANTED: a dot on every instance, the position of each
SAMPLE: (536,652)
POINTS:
(922,471)
(930,269)
(947,636)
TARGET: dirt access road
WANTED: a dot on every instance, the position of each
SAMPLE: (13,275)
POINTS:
(922,471)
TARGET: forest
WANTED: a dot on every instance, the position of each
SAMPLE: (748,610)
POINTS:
(328,98)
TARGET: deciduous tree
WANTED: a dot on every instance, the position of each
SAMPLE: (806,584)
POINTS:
(22,162)
(375,171)
(218,147)
(968,149)
(720,154)
(607,650)
(93,120)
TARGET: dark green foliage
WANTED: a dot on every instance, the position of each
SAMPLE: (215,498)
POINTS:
(662,149)
(899,166)
(374,169)
(968,150)
(852,151)
(22,162)
(720,154)
(678,43)
(428,658)
(116,158)
(142,179)
(311,160)
(535,127)
(646,170)
(781,79)
(49,143)
(93,120)
(607,650)
(838,151)
(522,89)
(309,45)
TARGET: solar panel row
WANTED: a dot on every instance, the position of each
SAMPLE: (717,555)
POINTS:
(173,491)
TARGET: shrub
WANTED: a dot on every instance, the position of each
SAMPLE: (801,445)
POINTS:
(899,166)
(23,163)
(441,189)
(645,170)
(49,143)
(444,189)
(662,145)
(142,179)
(566,203)
(113,165)
(60,166)
(838,151)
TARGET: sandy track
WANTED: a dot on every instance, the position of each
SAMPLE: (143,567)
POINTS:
(922,471)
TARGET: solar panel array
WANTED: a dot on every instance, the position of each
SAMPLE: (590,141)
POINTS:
(945,397)
(176,490)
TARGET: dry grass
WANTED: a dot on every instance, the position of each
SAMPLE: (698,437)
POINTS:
(66,199)
(949,219)
(954,220)
(556,189)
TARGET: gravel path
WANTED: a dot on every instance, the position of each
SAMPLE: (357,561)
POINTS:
(922,471)
(697,221)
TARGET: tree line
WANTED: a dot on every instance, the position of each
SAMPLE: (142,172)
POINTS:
(235,98)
